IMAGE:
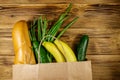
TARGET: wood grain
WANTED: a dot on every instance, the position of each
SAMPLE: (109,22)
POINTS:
(6,72)
(96,59)
(58,1)
(102,71)
(100,19)
(89,18)
(103,67)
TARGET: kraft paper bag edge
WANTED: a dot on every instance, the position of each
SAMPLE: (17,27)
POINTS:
(37,66)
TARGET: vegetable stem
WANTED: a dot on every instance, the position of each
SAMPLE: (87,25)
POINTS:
(39,28)
(66,27)
(54,29)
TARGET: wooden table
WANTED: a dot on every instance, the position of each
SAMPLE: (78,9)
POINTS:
(100,19)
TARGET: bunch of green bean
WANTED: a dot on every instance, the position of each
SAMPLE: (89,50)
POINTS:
(39,29)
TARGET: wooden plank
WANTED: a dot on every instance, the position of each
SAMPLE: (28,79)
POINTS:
(6,60)
(6,72)
(55,8)
(100,22)
(99,59)
(90,15)
(57,1)
(96,59)
(101,43)
(104,67)
(96,46)
(102,71)
(106,71)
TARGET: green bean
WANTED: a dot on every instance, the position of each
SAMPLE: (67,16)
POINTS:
(54,29)
(39,28)
(66,27)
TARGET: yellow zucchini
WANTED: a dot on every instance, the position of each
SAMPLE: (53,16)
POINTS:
(49,46)
(66,50)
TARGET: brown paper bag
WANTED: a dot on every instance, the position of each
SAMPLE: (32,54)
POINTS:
(53,71)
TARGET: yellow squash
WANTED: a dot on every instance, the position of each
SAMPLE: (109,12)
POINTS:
(66,50)
(22,45)
(49,46)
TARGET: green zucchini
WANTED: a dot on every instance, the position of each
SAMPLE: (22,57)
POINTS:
(82,48)
(43,53)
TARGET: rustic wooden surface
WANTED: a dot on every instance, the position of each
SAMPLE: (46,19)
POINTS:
(100,19)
